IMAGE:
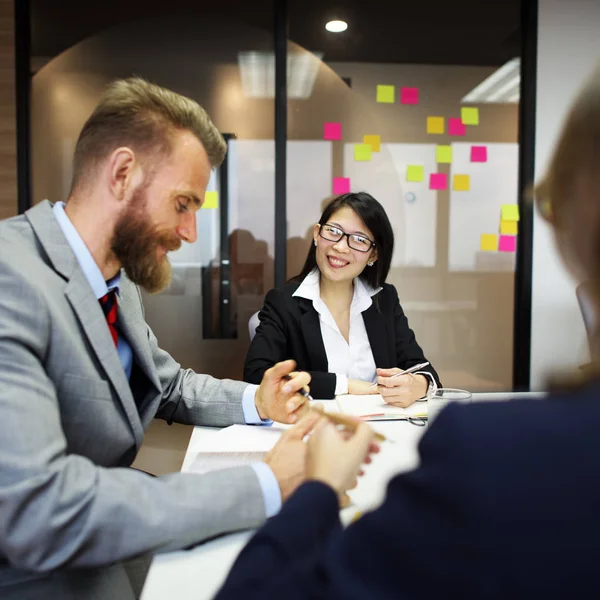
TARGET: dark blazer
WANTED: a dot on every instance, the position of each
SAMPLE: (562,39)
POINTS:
(289,328)
(504,505)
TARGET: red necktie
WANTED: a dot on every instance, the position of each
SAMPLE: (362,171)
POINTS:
(110,307)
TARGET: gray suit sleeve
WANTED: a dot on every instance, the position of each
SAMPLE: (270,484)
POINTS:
(58,508)
(192,398)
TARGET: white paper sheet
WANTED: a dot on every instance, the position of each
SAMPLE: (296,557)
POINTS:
(214,461)
(359,406)
(244,438)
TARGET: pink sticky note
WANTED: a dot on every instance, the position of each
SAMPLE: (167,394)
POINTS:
(332,131)
(456,127)
(409,95)
(438,181)
(478,153)
(341,185)
(507,243)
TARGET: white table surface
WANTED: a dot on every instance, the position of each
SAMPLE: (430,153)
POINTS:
(197,574)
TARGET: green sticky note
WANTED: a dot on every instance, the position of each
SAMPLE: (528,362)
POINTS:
(510,212)
(415,173)
(469,115)
(443,154)
(362,152)
(385,93)
(211,200)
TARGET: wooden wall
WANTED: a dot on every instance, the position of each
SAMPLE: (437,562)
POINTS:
(8,148)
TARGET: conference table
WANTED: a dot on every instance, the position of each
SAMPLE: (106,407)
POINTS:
(198,573)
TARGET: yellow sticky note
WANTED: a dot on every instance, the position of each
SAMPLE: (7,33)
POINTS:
(435,125)
(443,154)
(362,152)
(489,242)
(509,227)
(462,183)
(415,173)
(211,200)
(469,115)
(510,212)
(374,141)
(385,93)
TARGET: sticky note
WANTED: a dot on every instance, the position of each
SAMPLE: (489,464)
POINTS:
(435,125)
(469,115)
(374,141)
(409,95)
(438,181)
(332,131)
(507,243)
(462,183)
(509,227)
(489,242)
(341,185)
(478,153)
(211,200)
(510,212)
(362,152)
(415,173)
(443,154)
(385,93)
(456,127)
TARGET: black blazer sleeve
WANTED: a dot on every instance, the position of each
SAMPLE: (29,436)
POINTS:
(408,351)
(275,341)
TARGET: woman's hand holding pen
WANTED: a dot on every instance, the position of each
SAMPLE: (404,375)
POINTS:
(403,390)
(278,396)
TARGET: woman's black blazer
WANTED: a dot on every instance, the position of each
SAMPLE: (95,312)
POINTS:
(289,328)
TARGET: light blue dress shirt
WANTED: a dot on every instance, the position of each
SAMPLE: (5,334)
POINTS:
(100,287)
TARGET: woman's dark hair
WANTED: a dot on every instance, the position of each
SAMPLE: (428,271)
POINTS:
(375,218)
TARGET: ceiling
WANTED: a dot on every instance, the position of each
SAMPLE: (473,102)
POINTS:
(463,32)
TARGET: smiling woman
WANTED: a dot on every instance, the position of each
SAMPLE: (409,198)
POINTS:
(337,318)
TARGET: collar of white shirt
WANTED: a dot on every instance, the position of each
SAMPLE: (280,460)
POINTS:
(310,288)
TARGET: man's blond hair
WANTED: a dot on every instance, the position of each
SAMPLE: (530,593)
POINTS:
(142,116)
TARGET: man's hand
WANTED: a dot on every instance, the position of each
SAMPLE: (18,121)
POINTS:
(401,391)
(335,457)
(277,396)
(287,459)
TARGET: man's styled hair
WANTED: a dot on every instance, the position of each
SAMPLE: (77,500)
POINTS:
(142,116)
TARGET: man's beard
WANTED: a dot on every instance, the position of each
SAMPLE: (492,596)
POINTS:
(135,243)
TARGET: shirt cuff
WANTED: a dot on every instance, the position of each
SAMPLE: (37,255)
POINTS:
(341,384)
(433,386)
(251,416)
(270,488)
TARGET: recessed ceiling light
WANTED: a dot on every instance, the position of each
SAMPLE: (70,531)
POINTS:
(336,26)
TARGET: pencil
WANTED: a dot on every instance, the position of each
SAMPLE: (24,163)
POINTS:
(346,421)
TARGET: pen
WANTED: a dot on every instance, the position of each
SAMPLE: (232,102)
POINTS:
(301,391)
(405,372)
(348,422)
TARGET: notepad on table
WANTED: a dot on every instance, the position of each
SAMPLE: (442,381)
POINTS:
(374,404)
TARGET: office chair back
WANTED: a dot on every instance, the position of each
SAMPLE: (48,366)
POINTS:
(253,323)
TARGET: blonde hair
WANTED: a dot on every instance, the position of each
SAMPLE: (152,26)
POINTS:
(568,197)
(143,116)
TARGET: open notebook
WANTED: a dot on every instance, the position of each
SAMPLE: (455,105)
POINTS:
(374,407)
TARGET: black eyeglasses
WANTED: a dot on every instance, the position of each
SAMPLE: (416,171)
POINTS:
(357,242)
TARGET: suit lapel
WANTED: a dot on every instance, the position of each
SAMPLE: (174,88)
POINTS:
(377,334)
(311,331)
(85,306)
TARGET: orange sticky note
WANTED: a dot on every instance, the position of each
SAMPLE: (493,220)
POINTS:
(435,125)
(509,227)
(462,183)
(374,141)
(489,242)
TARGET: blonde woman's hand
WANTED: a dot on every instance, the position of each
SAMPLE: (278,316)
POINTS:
(361,388)
(401,391)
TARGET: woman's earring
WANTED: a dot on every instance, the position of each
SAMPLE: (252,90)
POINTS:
(315,243)
(371,263)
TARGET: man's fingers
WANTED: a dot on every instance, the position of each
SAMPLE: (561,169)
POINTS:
(304,426)
(363,438)
(403,381)
(296,383)
(280,370)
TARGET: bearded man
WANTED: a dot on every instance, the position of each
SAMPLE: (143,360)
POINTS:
(82,375)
